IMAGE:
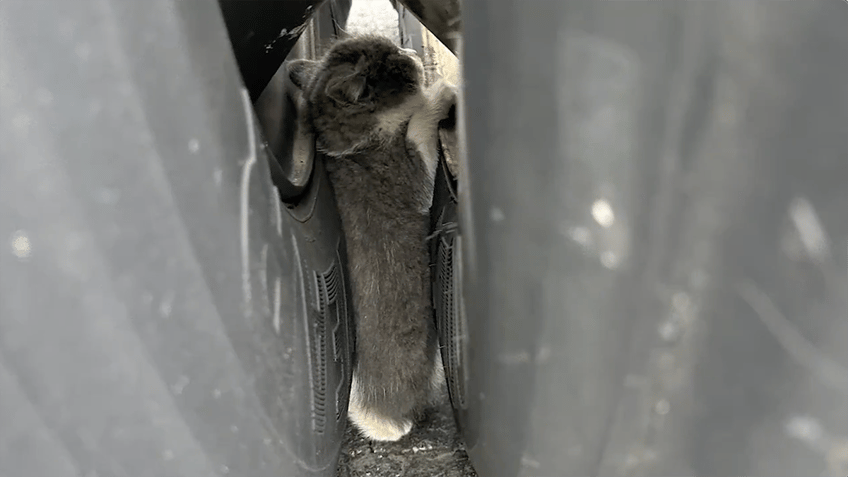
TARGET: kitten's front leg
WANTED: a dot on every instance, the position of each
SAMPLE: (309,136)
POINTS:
(370,423)
(445,98)
(422,134)
(378,426)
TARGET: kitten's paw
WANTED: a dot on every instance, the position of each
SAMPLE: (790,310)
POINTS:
(378,428)
(438,390)
(437,379)
(372,425)
(443,96)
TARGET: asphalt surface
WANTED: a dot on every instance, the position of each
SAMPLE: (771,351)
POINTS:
(434,447)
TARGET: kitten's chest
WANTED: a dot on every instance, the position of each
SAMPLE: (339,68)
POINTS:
(379,195)
(387,175)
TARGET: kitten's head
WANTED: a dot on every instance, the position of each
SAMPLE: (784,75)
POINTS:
(360,88)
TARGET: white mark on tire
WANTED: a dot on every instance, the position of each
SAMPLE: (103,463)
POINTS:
(580,235)
(21,246)
(527,461)
(496,215)
(180,385)
(787,335)
(669,330)
(278,292)
(609,260)
(805,428)
(245,197)
(810,229)
(303,300)
(166,306)
(681,302)
(513,359)
(264,260)
(275,197)
(602,213)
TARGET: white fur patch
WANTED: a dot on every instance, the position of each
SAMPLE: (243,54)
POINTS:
(369,423)
(421,132)
(423,129)
(388,122)
(438,376)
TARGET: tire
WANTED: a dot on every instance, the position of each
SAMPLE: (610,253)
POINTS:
(654,237)
(446,250)
(162,312)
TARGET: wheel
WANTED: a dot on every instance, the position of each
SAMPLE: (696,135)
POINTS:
(162,311)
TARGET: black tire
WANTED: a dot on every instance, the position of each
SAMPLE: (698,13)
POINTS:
(654,234)
(446,249)
(162,313)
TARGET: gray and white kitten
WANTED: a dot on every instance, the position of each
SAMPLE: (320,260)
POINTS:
(371,115)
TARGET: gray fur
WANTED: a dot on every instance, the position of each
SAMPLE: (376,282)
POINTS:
(359,102)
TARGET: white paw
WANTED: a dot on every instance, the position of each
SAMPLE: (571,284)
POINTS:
(372,425)
(438,376)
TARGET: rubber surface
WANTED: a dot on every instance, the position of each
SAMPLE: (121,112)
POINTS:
(162,313)
(446,249)
(655,236)
(263,32)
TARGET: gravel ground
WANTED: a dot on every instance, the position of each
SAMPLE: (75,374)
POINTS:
(373,16)
(433,448)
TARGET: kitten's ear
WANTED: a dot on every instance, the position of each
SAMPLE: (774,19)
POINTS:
(346,89)
(300,71)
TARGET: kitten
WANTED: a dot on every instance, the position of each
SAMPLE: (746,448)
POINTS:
(373,119)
